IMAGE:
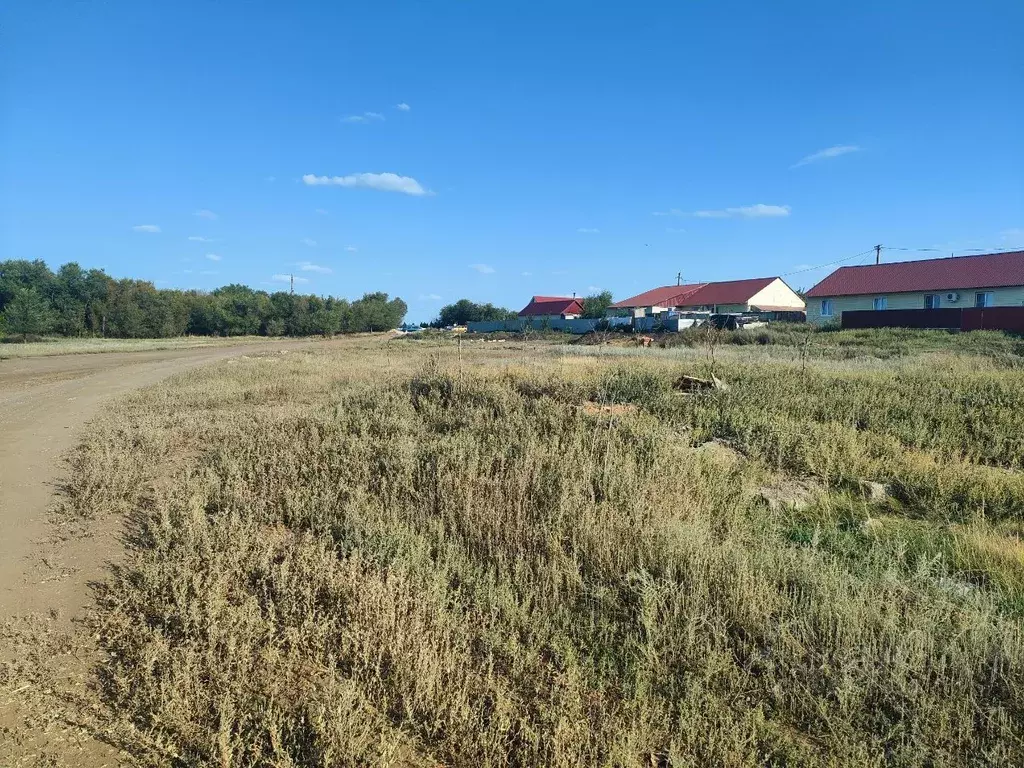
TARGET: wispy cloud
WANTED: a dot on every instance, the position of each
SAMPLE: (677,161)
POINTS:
(205,214)
(188,271)
(386,182)
(429,297)
(322,212)
(483,269)
(402,107)
(307,266)
(825,154)
(593,289)
(351,248)
(213,256)
(757,211)
(200,239)
(152,228)
(308,241)
(288,279)
(366,117)
(588,230)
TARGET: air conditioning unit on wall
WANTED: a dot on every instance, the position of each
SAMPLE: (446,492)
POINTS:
(953,297)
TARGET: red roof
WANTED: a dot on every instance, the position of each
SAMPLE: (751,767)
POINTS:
(667,296)
(728,292)
(990,270)
(698,294)
(552,305)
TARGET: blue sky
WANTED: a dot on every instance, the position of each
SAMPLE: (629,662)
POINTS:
(499,150)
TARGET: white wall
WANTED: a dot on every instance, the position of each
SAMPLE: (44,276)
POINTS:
(777,294)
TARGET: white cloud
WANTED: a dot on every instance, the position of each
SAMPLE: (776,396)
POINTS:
(588,230)
(213,257)
(386,182)
(402,107)
(756,211)
(351,248)
(308,241)
(483,269)
(824,154)
(429,297)
(322,212)
(593,289)
(200,239)
(205,214)
(153,228)
(188,271)
(288,279)
(366,117)
(306,266)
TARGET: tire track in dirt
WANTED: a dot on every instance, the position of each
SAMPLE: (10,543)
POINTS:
(45,403)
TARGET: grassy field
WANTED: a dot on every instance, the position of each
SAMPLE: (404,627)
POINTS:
(421,553)
(71,346)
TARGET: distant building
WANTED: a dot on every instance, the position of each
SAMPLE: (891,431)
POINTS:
(986,280)
(553,307)
(762,294)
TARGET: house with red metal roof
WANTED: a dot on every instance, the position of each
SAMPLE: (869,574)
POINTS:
(985,280)
(760,294)
(551,307)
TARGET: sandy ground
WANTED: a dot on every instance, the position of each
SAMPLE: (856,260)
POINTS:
(44,581)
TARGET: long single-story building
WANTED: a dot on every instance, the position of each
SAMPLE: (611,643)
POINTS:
(986,280)
(561,307)
(761,294)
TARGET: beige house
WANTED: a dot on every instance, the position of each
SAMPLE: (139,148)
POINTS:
(987,280)
(760,294)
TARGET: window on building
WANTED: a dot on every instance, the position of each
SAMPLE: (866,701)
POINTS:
(826,307)
(983,299)
(932,301)
(881,302)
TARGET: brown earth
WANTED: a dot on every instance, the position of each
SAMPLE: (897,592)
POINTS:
(44,578)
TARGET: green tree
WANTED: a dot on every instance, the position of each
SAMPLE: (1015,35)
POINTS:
(595,307)
(27,313)
(465,311)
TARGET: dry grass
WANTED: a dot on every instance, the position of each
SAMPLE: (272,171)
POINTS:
(414,554)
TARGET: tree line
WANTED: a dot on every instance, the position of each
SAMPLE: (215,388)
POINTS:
(76,302)
(465,311)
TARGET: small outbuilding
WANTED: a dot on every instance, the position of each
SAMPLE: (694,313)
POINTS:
(553,307)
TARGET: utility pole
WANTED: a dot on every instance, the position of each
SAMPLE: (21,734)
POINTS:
(291,280)
(679,278)
(878,254)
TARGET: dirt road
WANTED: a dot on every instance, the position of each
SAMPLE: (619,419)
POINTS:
(44,403)
(45,654)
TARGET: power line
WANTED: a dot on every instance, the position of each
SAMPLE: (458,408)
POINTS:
(829,264)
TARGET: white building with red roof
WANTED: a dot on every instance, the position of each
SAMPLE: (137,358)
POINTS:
(764,294)
(986,280)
